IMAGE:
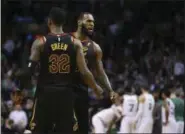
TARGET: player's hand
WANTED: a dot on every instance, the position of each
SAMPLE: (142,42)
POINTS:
(98,92)
(113,96)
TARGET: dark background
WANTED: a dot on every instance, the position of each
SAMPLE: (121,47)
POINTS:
(137,38)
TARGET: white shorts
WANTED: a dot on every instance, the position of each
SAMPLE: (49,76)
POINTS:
(127,125)
(180,127)
(171,127)
(145,126)
(98,126)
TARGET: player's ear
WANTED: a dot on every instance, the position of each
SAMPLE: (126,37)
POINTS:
(79,23)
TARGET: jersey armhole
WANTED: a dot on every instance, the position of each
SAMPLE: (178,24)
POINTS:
(72,40)
(41,38)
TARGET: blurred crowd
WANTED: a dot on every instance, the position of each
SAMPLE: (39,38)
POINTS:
(140,38)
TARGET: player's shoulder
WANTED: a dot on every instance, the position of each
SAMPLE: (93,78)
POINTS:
(97,47)
(76,42)
(142,98)
(41,39)
(96,44)
(39,42)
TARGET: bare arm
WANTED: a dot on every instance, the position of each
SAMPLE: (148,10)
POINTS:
(82,66)
(36,49)
(165,104)
(111,124)
(29,70)
(101,75)
(140,110)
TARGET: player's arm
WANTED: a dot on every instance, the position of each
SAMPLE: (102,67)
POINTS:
(141,105)
(34,58)
(114,120)
(82,66)
(165,105)
(101,75)
(111,124)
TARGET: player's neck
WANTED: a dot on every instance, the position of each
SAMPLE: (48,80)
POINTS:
(56,30)
(145,92)
(80,35)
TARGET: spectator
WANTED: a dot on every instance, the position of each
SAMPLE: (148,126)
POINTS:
(19,118)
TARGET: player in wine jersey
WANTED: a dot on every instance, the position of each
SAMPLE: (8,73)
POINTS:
(102,121)
(59,54)
(168,113)
(93,56)
(144,116)
(130,105)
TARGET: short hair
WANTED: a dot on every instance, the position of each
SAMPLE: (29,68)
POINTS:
(166,92)
(57,15)
(82,15)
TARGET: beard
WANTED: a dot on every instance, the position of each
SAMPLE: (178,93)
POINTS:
(86,32)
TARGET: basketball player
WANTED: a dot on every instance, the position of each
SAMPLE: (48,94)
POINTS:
(59,55)
(179,111)
(102,121)
(144,116)
(130,104)
(93,56)
(157,113)
(168,111)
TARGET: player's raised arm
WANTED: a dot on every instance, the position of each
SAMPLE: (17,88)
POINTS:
(82,66)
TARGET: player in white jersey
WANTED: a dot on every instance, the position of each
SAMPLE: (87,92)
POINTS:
(168,111)
(144,117)
(130,104)
(103,120)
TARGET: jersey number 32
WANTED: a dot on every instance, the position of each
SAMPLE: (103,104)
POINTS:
(59,63)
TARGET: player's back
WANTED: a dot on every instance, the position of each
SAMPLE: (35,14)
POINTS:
(148,105)
(171,108)
(108,114)
(58,61)
(130,105)
(179,108)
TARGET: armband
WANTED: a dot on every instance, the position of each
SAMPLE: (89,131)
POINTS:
(25,78)
(31,67)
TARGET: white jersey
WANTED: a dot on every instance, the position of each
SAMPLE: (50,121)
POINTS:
(130,104)
(171,109)
(172,126)
(145,125)
(107,115)
(148,105)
